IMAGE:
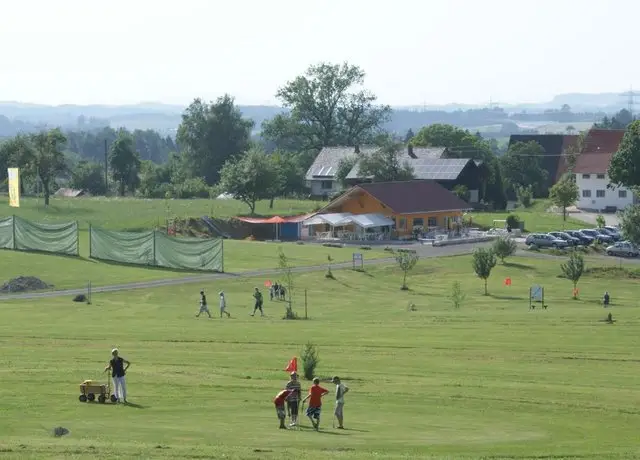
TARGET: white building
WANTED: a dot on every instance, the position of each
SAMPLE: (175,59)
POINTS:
(595,191)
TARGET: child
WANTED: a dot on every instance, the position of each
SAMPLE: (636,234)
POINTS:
(203,305)
(223,305)
(341,390)
(258,306)
(279,401)
(316,392)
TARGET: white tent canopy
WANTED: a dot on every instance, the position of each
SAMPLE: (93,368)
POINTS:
(346,218)
(371,220)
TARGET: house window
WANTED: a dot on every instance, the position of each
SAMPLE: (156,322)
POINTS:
(600,176)
(402,223)
(622,193)
(599,193)
(586,176)
(419,222)
(586,194)
(432,222)
(326,185)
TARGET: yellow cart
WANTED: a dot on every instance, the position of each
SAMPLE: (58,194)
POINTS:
(90,390)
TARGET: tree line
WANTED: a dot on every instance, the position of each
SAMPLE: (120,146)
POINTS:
(214,151)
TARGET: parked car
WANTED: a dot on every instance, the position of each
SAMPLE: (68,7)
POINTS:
(623,249)
(604,231)
(584,238)
(598,237)
(544,240)
(572,240)
(613,230)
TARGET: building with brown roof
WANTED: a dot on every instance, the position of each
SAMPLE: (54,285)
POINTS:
(409,204)
(595,191)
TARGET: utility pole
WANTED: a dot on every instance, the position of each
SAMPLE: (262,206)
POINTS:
(106,168)
(631,99)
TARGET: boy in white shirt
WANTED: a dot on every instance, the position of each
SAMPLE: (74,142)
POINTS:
(341,390)
(223,305)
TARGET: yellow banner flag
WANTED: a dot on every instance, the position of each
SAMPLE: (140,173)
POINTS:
(14,187)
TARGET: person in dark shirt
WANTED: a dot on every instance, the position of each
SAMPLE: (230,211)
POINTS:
(118,367)
(258,306)
(203,305)
(606,299)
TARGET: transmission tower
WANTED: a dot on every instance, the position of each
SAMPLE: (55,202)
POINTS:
(631,99)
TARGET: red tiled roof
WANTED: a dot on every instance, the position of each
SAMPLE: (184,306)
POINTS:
(414,196)
(603,140)
(598,150)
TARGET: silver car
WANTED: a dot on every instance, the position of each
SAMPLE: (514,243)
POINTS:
(544,240)
(623,249)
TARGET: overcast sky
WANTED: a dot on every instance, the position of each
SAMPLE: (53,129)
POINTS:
(414,51)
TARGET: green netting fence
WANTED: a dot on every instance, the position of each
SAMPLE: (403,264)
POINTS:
(20,234)
(156,249)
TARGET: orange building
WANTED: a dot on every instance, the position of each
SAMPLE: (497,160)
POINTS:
(410,204)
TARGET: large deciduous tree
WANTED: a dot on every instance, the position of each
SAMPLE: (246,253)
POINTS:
(38,155)
(211,134)
(522,167)
(89,176)
(327,106)
(250,177)
(124,162)
(624,169)
(385,164)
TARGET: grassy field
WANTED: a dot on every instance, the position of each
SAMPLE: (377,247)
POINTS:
(536,219)
(490,379)
(239,256)
(133,214)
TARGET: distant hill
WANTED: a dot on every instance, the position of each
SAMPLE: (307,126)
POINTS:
(20,117)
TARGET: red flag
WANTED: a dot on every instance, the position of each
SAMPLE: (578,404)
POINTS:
(267,284)
(292,366)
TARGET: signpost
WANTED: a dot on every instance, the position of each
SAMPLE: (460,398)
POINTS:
(536,294)
(358,261)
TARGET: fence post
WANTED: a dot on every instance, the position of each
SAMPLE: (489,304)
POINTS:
(90,252)
(89,293)
(222,253)
(154,249)
(77,239)
(13,229)
(305,304)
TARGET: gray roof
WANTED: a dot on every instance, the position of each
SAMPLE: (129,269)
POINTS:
(438,169)
(429,164)
(325,166)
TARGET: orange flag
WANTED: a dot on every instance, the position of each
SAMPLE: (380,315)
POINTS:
(292,366)
(507,281)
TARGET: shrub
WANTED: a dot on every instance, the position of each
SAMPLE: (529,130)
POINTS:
(513,221)
(504,247)
(310,360)
(457,296)
(525,196)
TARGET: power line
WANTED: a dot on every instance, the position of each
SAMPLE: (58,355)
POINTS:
(631,99)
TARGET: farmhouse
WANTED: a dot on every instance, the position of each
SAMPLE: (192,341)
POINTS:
(595,191)
(387,209)
(428,163)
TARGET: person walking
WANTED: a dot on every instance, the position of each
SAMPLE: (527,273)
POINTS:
(223,305)
(341,390)
(316,392)
(294,399)
(257,295)
(203,305)
(118,367)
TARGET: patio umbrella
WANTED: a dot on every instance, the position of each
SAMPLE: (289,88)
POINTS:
(277,220)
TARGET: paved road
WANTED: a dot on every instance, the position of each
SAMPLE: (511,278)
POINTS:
(590,218)
(425,251)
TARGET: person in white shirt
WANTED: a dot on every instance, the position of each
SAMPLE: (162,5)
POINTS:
(341,390)
(223,306)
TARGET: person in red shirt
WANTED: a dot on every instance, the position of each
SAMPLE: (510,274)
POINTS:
(279,401)
(316,392)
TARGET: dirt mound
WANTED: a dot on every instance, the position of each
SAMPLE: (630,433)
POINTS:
(24,284)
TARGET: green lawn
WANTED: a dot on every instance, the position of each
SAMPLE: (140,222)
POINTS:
(239,256)
(133,213)
(491,379)
(536,219)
